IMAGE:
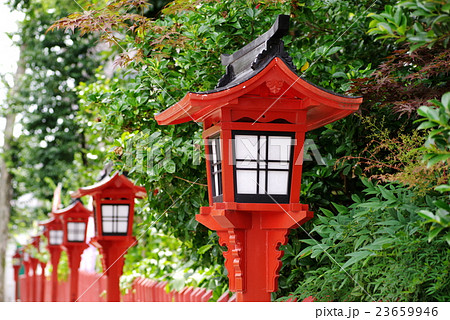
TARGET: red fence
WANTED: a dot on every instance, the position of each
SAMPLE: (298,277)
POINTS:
(92,288)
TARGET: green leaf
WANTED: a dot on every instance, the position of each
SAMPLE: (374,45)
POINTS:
(426,214)
(327,212)
(339,74)
(340,208)
(333,50)
(434,232)
(378,244)
(446,100)
(204,248)
(443,188)
(438,158)
(388,195)
(169,166)
(355,257)
(447,238)
(385,27)
(426,125)
(311,242)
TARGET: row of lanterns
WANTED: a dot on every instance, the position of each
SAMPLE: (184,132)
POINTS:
(113,213)
(254,124)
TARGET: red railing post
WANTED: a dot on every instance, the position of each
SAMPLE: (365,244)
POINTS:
(43,265)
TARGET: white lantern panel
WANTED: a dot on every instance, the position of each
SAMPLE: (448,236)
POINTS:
(122,226)
(262,147)
(246,164)
(278,165)
(216,184)
(246,181)
(107,211)
(76,231)
(214,148)
(122,211)
(277,182)
(279,148)
(262,183)
(246,147)
(215,166)
(56,237)
(262,166)
(115,219)
(107,227)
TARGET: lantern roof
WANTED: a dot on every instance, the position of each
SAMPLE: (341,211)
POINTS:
(116,181)
(53,220)
(75,207)
(263,69)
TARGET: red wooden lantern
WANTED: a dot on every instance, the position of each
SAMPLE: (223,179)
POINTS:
(53,231)
(74,220)
(17,263)
(254,129)
(113,216)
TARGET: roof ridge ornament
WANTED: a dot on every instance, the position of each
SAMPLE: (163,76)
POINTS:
(258,53)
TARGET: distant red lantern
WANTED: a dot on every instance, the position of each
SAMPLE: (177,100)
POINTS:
(254,130)
(54,232)
(113,216)
(74,220)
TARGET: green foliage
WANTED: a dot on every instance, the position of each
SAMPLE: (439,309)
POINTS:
(420,22)
(438,141)
(372,250)
(437,149)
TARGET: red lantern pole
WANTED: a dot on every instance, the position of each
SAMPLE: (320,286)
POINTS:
(113,261)
(54,234)
(16,266)
(74,256)
(43,266)
(55,255)
(34,264)
(27,266)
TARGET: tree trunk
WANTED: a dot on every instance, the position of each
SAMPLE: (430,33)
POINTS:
(5,178)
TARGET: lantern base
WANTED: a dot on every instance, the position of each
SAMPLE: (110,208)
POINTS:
(253,239)
(113,252)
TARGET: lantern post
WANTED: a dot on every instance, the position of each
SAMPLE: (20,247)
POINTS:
(27,267)
(113,204)
(254,124)
(34,264)
(17,263)
(74,219)
(43,265)
(53,231)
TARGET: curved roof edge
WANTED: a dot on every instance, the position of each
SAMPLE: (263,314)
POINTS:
(139,191)
(186,110)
